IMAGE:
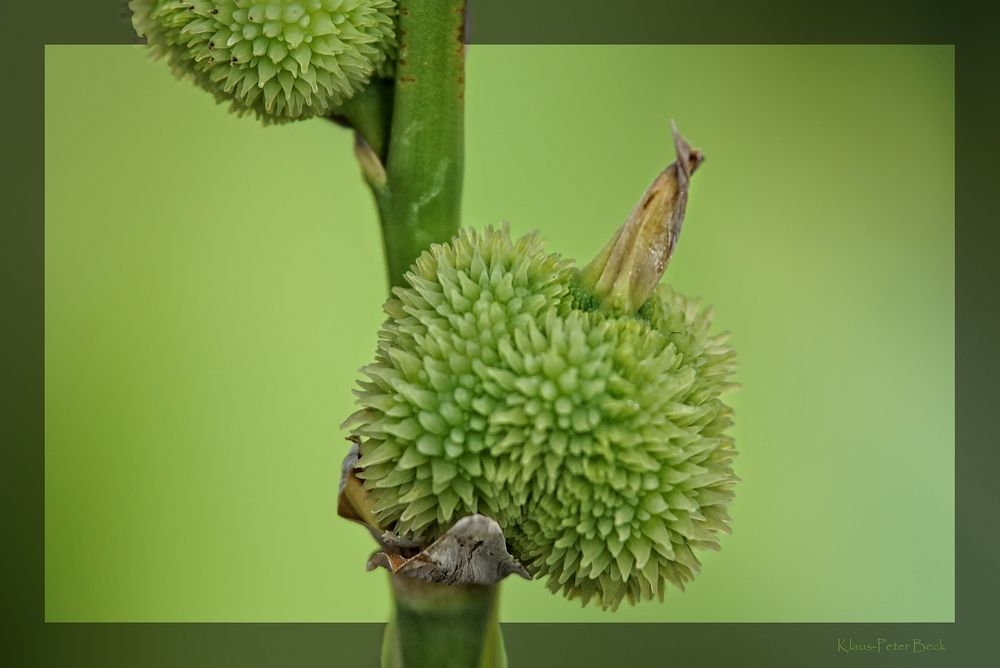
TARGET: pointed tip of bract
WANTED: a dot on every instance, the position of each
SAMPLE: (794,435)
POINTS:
(689,159)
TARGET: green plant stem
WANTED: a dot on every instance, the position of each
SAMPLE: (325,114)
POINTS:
(413,164)
(370,114)
(442,626)
(421,198)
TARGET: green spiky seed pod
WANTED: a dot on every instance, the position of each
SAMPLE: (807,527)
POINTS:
(432,447)
(647,478)
(278,59)
(595,438)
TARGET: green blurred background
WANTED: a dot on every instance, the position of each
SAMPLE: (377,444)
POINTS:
(212,287)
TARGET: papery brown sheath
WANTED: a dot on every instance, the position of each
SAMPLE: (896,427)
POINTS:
(627,270)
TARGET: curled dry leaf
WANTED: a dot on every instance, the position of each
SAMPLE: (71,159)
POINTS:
(352,502)
(473,551)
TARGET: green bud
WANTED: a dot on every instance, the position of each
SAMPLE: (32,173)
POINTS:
(278,59)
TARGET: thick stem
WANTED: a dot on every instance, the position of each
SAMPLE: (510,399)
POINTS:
(421,200)
(442,626)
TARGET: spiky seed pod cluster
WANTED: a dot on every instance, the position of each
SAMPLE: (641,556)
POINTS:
(596,439)
(278,59)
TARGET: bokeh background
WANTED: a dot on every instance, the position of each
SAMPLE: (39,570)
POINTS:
(212,287)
